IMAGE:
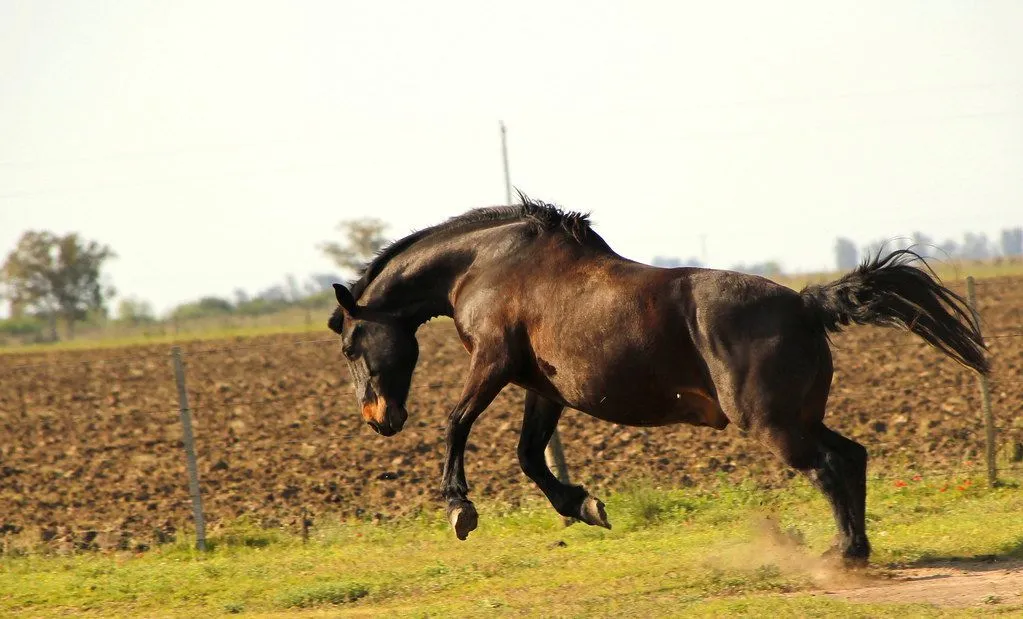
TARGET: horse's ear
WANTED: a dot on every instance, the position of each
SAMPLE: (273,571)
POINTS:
(345,299)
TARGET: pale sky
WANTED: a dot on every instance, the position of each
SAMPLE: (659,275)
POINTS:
(214,144)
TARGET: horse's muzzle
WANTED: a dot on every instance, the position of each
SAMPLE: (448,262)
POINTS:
(385,418)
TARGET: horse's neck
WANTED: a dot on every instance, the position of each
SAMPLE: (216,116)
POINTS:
(421,278)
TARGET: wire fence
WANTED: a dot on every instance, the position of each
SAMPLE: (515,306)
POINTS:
(94,455)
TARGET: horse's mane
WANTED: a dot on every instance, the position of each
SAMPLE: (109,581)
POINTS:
(542,216)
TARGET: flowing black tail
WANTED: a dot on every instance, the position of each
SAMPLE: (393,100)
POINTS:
(891,292)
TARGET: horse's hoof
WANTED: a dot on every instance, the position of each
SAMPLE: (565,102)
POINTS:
(463,519)
(845,559)
(592,513)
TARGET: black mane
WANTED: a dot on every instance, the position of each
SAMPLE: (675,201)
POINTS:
(543,217)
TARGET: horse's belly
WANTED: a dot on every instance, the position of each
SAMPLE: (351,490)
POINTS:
(624,374)
(641,401)
(689,407)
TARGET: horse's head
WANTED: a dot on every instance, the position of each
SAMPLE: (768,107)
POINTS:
(381,352)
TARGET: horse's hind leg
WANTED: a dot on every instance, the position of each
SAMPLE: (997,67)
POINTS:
(837,466)
(851,465)
(538,423)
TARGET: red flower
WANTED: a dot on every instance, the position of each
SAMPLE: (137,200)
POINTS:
(917,478)
(943,488)
(900,484)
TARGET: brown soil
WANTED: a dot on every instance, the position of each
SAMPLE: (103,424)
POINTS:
(91,453)
(960,583)
(976,581)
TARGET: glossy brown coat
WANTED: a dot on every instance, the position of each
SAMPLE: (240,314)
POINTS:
(541,301)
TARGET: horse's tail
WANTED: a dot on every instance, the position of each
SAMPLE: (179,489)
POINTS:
(891,292)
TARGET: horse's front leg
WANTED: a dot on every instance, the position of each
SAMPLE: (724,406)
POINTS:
(538,423)
(485,380)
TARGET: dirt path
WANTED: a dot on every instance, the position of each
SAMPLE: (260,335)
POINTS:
(953,583)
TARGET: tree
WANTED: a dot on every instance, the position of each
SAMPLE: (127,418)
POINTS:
(976,246)
(203,308)
(322,282)
(923,245)
(673,262)
(57,277)
(846,256)
(949,249)
(362,239)
(771,268)
(1012,242)
(274,294)
(134,311)
(294,292)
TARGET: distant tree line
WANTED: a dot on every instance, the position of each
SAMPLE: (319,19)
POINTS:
(48,280)
(314,292)
(360,240)
(770,268)
(973,246)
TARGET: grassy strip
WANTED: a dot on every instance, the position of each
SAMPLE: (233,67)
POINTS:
(169,339)
(672,552)
(315,331)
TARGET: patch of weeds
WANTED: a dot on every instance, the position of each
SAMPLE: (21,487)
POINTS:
(244,533)
(513,562)
(96,571)
(492,603)
(333,593)
(213,571)
(764,578)
(234,608)
(437,569)
(646,505)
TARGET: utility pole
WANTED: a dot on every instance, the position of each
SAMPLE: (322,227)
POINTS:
(504,156)
(553,452)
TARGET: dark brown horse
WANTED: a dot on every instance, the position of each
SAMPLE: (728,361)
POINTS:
(539,300)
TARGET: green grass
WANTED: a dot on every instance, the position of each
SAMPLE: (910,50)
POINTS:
(315,330)
(671,553)
(143,340)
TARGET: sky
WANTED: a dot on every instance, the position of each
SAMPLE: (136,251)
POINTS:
(213,145)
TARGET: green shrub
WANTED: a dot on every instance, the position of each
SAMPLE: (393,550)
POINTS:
(21,326)
(323,594)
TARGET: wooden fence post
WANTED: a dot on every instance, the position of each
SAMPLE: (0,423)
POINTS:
(985,398)
(189,443)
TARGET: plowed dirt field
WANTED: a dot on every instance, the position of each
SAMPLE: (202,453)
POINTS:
(90,451)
